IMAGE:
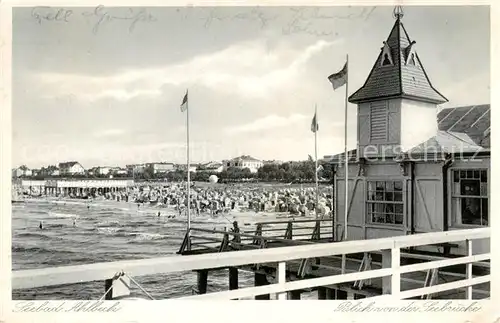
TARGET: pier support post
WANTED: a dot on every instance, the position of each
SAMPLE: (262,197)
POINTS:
(330,293)
(341,294)
(261,280)
(202,281)
(359,296)
(233,278)
(119,287)
(294,294)
(322,293)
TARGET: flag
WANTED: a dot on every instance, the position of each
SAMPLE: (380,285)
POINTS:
(314,124)
(339,79)
(184,104)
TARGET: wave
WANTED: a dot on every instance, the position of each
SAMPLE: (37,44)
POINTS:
(143,236)
(108,230)
(54,225)
(62,215)
(111,223)
(68,202)
(17,248)
(34,235)
(140,224)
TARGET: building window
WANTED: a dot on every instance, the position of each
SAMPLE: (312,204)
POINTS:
(470,196)
(384,202)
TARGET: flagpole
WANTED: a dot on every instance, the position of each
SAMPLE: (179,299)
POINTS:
(188,167)
(345,151)
(316,158)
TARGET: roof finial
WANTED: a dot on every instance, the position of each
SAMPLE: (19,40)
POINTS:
(398,12)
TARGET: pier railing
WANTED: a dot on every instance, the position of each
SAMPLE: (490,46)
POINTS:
(391,271)
(288,233)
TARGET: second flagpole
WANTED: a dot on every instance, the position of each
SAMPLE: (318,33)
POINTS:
(316,157)
(346,165)
(188,173)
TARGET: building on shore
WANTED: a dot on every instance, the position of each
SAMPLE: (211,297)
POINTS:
(71,168)
(102,170)
(210,167)
(414,170)
(21,171)
(182,167)
(119,171)
(242,162)
(135,169)
(49,171)
(160,168)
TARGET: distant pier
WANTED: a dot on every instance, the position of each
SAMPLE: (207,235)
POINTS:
(76,187)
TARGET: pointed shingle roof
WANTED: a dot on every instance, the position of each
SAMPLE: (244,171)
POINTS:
(398,79)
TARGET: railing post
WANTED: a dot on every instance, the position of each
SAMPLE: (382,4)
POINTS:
(281,273)
(258,233)
(186,243)
(468,244)
(289,231)
(224,243)
(391,284)
(316,232)
(396,275)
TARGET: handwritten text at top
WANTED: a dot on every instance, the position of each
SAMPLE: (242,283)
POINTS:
(98,16)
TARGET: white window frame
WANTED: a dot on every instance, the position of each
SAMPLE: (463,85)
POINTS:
(369,202)
(455,219)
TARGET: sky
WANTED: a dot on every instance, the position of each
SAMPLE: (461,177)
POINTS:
(103,86)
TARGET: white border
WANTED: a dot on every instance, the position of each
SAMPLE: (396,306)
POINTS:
(174,311)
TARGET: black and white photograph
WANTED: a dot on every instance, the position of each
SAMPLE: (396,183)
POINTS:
(250,153)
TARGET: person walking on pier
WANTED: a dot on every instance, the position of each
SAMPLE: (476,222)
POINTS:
(236,232)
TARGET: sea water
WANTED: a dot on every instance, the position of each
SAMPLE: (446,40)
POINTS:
(81,232)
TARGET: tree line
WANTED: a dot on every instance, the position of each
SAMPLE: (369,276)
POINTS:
(294,171)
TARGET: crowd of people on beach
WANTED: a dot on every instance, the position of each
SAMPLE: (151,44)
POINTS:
(218,200)
(225,199)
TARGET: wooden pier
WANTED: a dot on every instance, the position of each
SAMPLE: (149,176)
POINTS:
(276,234)
(374,268)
